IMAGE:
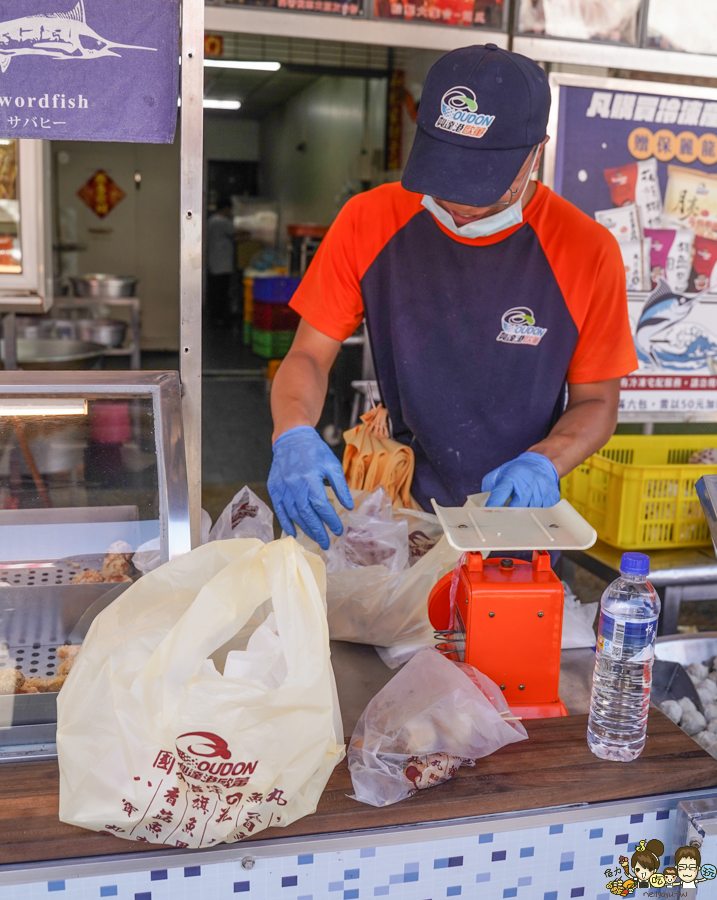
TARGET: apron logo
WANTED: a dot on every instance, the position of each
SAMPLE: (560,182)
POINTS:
(519,327)
(459,114)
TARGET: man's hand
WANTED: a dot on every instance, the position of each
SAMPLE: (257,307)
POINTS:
(301,459)
(296,484)
(530,479)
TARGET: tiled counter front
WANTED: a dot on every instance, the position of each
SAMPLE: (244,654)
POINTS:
(553,855)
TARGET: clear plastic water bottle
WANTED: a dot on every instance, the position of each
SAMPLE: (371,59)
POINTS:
(629,610)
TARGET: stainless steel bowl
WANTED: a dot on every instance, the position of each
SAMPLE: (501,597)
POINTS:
(44,327)
(54,354)
(109,332)
(687,648)
(107,286)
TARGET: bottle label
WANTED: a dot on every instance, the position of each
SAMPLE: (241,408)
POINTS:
(628,640)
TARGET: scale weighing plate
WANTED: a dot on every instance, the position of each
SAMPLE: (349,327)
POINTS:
(476,527)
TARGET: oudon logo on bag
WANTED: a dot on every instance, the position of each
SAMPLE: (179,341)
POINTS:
(186,814)
(204,756)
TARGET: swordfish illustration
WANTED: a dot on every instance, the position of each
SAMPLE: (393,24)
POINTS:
(663,309)
(58,35)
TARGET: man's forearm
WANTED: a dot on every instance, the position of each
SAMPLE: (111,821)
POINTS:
(582,430)
(298,393)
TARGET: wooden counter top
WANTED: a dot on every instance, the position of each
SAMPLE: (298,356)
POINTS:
(552,768)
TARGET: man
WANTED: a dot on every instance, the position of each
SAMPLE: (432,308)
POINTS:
(221,236)
(484,294)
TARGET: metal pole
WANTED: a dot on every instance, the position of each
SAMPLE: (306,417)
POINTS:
(192,172)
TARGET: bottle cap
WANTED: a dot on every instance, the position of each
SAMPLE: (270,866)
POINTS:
(635,564)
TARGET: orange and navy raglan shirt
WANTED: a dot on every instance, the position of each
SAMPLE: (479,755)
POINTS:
(474,339)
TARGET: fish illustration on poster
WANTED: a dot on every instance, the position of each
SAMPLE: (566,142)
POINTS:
(660,341)
(89,69)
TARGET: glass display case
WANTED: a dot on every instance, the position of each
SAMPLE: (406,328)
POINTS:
(93,494)
(25,226)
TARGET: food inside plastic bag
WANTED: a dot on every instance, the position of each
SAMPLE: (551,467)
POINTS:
(371,537)
(384,604)
(431,718)
(247,516)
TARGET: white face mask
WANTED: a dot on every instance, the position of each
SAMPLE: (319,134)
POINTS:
(506,218)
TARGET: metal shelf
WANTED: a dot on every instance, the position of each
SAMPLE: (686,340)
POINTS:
(315,26)
(615,56)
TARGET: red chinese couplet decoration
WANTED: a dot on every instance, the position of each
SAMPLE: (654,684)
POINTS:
(101,194)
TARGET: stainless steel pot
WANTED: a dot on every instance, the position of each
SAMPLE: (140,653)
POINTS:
(110,332)
(108,286)
(54,354)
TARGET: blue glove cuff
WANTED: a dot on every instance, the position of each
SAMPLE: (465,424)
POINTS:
(292,431)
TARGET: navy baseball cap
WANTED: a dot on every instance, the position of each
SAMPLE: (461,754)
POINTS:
(482,111)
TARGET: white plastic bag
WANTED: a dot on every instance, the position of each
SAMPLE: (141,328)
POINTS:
(578,621)
(155,745)
(432,717)
(247,516)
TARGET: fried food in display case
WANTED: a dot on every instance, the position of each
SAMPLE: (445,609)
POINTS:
(92,470)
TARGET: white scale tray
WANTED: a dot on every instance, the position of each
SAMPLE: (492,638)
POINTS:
(477,527)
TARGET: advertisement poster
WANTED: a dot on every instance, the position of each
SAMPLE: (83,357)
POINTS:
(95,70)
(641,159)
(489,13)
(333,7)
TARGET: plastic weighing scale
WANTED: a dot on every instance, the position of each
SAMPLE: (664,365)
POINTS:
(504,615)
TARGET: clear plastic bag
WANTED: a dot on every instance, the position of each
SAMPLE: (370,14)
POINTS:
(431,718)
(371,536)
(247,516)
(384,604)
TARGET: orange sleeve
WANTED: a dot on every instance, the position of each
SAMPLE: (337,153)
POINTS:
(329,296)
(587,263)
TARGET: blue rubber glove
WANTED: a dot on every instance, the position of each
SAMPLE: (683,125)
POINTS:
(296,484)
(530,478)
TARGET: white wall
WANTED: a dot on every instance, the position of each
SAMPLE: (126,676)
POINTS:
(335,118)
(140,236)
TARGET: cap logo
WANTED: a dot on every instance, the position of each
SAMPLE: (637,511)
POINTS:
(459,114)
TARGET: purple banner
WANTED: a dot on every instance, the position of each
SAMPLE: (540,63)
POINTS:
(89,70)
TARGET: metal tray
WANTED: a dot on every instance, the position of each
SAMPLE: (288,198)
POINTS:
(687,648)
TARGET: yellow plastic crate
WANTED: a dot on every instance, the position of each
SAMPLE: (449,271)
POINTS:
(638,492)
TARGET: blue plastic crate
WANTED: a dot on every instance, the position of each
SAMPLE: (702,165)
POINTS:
(277,289)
